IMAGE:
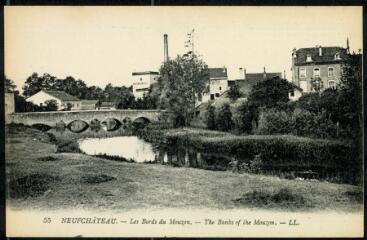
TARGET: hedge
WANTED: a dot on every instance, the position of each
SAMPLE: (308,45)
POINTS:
(274,149)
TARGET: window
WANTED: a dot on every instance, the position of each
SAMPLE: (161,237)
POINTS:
(332,84)
(316,72)
(330,72)
(302,72)
(337,56)
(308,58)
(220,88)
(211,96)
(217,95)
(292,93)
(141,79)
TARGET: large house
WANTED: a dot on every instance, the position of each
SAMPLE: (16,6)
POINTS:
(142,82)
(320,65)
(64,101)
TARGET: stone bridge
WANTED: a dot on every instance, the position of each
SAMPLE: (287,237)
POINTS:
(52,118)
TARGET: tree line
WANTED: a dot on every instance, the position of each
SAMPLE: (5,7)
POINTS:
(121,96)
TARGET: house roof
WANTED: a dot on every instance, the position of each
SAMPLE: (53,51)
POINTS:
(86,102)
(328,55)
(251,79)
(145,73)
(63,96)
(218,73)
(296,87)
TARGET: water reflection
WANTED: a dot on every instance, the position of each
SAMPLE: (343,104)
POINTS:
(128,147)
(91,132)
(125,144)
(138,150)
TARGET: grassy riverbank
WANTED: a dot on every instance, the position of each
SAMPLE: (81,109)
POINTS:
(339,160)
(39,177)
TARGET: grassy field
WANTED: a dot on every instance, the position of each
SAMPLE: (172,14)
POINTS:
(39,177)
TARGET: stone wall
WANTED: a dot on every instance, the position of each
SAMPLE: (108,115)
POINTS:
(9,105)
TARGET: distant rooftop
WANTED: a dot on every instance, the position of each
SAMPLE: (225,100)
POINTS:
(215,73)
(245,85)
(145,73)
(63,96)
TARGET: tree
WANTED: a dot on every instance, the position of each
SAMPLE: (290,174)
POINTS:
(180,81)
(270,92)
(51,105)
(9,86)
(35,83)
(350,96)
(224,118)
(234,92)
(317,84)
(210,117)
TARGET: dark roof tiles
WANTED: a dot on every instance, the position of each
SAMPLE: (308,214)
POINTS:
(218,73)
(328,55)
(63,96)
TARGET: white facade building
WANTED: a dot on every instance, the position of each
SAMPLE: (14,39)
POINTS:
(218,81)
(142,82)
(62,98)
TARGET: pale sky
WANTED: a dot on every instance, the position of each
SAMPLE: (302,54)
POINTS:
(102,45)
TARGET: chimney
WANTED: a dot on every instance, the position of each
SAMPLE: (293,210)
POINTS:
(320,51)
(348,51)
(241,73)
(294,55)
(264,74)
(165,47)
(244,73)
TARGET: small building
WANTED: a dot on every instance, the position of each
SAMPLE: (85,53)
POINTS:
(64,100)
(142,82)
(295,93)
(89,104)
(248,80)
(218,82)
(107,106)
(321,64)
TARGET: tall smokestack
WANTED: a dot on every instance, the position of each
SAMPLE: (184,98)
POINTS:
(165,47)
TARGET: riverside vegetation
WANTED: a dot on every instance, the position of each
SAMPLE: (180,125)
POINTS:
(48,178)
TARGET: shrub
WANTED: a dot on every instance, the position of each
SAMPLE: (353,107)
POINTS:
(282,198)
(298,122)
(69,146)
(92,179)
(274,121)
(242,118)
(224,118)
(210,118)
(277,150)
(51,105)
(32,185)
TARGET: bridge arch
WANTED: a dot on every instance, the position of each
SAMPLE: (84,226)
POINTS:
(41,126)
(78,126)
(111,124)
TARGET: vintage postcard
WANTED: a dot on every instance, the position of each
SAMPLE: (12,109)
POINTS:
(183,121)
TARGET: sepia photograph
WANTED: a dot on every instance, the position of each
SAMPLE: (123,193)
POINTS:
(183,121)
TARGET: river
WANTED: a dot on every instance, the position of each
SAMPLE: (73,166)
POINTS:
(124,145)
